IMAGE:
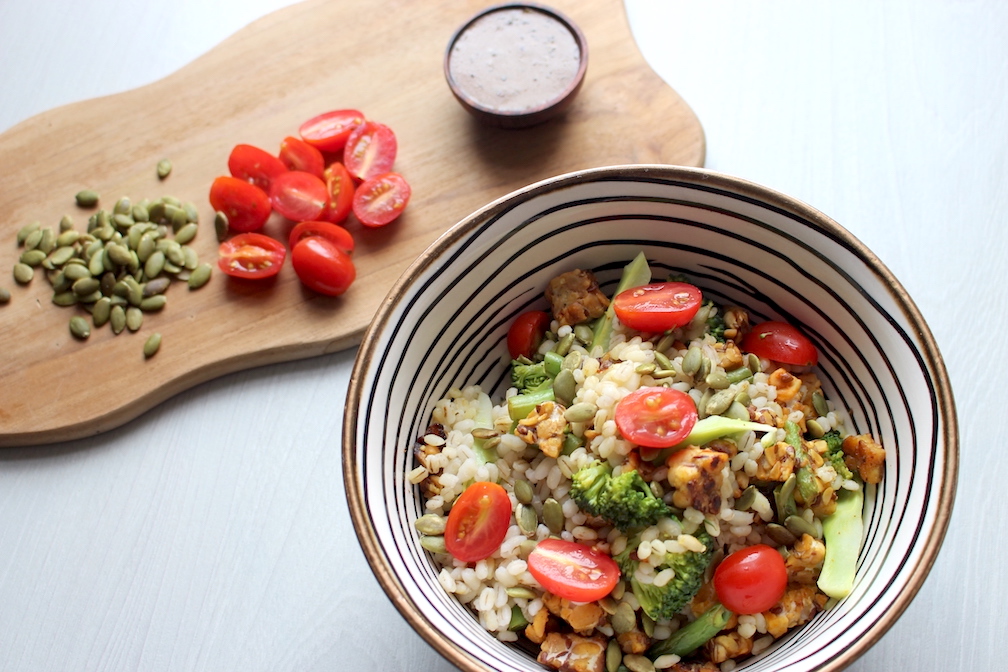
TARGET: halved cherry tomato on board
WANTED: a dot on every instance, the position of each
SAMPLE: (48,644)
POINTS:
(322,266)
(336,235)
(340,186)
(249,163)
(478,522)
(526,333)
(252,256)
(658,306)
(656,417)
(329,131)
(780,342)
(247,206)
(379,200)
(298,195)
(297,154)
(370,150)
(573,571)
(751,580)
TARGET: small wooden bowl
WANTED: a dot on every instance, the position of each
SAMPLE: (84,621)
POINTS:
(516,64)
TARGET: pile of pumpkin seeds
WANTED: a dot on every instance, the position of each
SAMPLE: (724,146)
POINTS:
(120,267)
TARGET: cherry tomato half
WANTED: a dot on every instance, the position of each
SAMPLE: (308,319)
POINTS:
(251,255)
(370,150)
(751,580)
(247,206)
(322,266)
(656,417)
(340,186)
(297,154)
(298,195)
(329,131)
(658,306)
(379,200)
(255,165)
(336,235)
(478,521)
(526,333)
(782,343)
(573,571)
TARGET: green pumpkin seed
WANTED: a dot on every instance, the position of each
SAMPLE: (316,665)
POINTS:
(64,298)
(152,345)
(647,624)
(48,242)
(746,499)
(564,346)
(523,491)
(117,318)
(122,206)
(692,360)
(433,544)
(613,656)
(155,264)
(134,318)
(23,273)
(108,282)
(753,363)
(87,198)
(153,303)
(192,214)
(581,412)
(638,663)
(119,255)
(798,526)
(96,265)
(521,593)
(79,327)
(572,361)
(743,399)
(155,286)
(659,374)
(737,411)
(527,519)
(89,298)
(66,223)
(174,253)
(33,240)
(564,387)
(102,311)
(86,286)
(717,380)
(720,401)
(164,167)
(156,211)
(815,430)
(583,333)
(171,200)
(33,257)
(645,369)
(140,213)
(662,361)
(665,343)
(27,230)
(819,403)
(4,295)
(200,276)
(553,516)
(221,226)
(67,238)
(430,524)
(780,534)
(624,620)
(145,246)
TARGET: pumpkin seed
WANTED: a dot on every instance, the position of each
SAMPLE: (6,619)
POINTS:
(23,273)
(164,167)
(564,346)
(798,526)
(430,524)
(85,286)
(645,369)
(523,491)
(134,318)
(581,412)
(527,519)
(780,534)
(155,286)
(87,198)
(200,276)
(96,264)
(746,499)
(33,257)
(720,402)
(89,298)
(108,282)
(102,311)
(156,211)
(117,318)
(624,620)
(564,386)
(737,411)
(64,298)
(4,295)
(572,361)
(648,624)
(753,363)
(67,238)
(553,515)
(192,214)
(717,380)
(692,360)
(140,213)
(819,403)
(66,223)
(155,264)
(613,656)
(520,593)
(659,374)
(583,333)
(153,303)
(27,230)
(665,343)
(122,206)
(433,544)
(815,430)
(638,663)
(191,259)
(145,246)
(221,226)
(79,327)
(484,433)
(662,361)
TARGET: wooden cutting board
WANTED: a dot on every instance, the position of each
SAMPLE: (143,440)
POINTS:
(257,87)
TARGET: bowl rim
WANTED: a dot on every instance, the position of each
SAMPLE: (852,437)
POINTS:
(701,178)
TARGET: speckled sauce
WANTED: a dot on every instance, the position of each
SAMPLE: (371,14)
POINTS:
(514,60)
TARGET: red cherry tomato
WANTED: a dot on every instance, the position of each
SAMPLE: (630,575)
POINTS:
(478,522)
(572,570)
(782,343)
(251,255)
(370,150)
(656,417)
(329,131)
(526,333)
(336,235)
(298,195)
(297,154)
(751,580)
(247,206)
(322,266)
(340,186)
(658,307)
(379,200)
(255,165)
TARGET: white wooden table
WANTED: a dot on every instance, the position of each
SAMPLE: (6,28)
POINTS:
(212,532)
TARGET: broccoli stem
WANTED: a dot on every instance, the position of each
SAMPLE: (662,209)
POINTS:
(718,426)
(842,532)
(692,636)
(553,362)
(635,274)
(807,487)
(520,405)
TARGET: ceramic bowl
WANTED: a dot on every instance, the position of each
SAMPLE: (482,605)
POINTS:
(444,325)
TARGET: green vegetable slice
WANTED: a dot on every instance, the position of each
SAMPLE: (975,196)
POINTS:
(842,533)
(635,274)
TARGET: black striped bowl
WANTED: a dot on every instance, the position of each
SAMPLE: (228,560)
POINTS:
(445,321)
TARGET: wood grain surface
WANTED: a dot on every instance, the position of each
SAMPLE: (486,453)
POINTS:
(256,87)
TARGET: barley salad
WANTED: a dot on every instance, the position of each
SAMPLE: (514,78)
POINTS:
(665,485)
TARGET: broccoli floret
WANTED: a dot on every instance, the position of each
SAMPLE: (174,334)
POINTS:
(664,602)
(715,322)
(625,500)
(834,449)
(528,376)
